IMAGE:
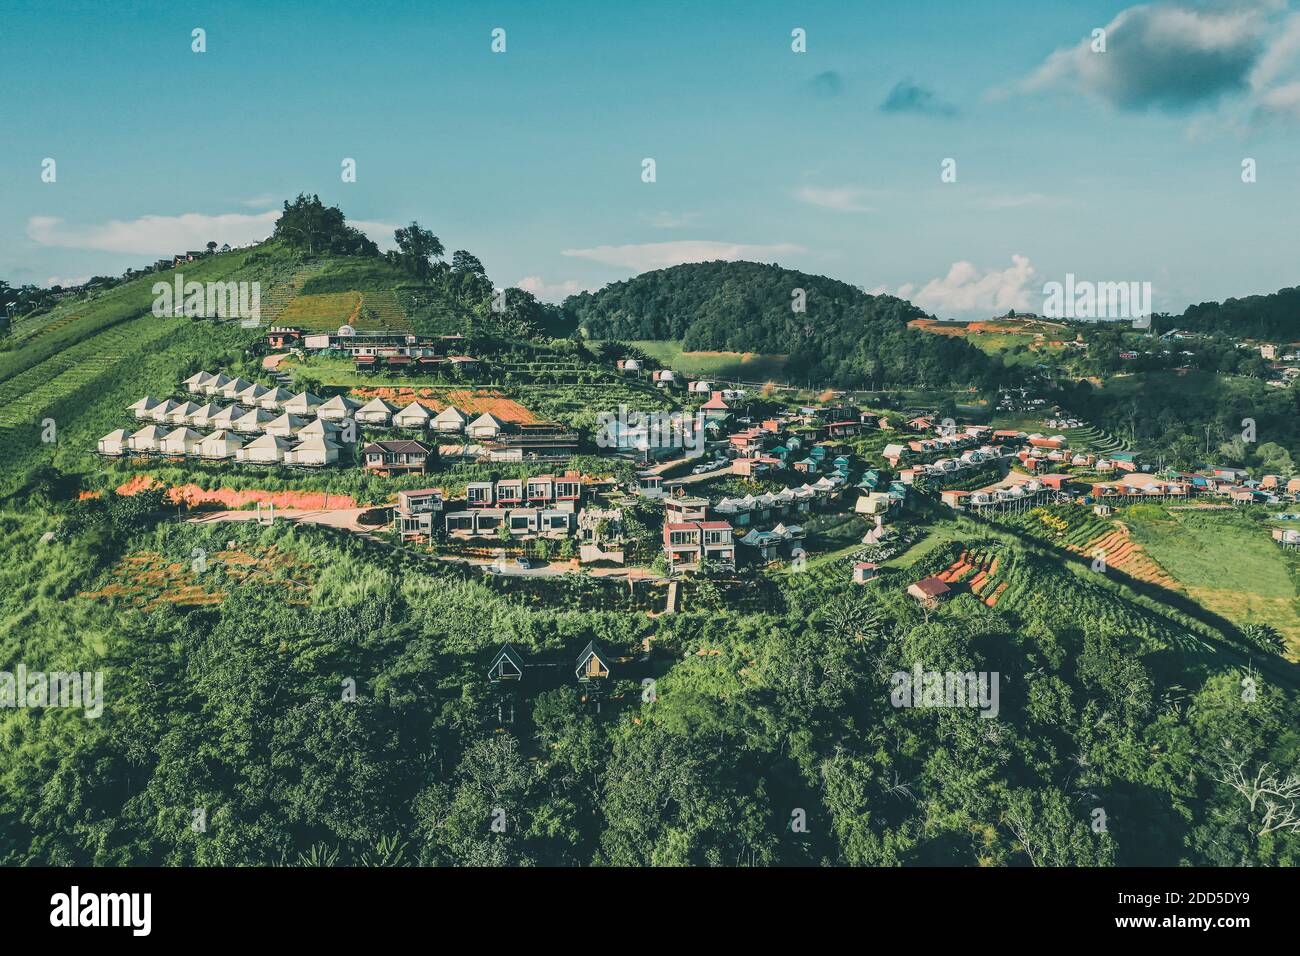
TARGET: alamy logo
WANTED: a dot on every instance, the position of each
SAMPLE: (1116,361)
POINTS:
(212,300)
(642,431)
(918,688)
(1076,299)
(103,909)
(31,689)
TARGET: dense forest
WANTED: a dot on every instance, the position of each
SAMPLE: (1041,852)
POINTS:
(332,706)
(1275,317)
(845,336)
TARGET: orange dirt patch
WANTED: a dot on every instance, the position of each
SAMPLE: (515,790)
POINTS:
(1127,556)
(192,495)
(147,579)
(471,402)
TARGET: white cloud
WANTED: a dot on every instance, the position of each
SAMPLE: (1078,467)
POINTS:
(1280,56)
(840,198)
(153,235)
(380,232)
(65,281)
(160,235)
(966,290)
(644,257)
(259,202)
(1281,101)
(550,292)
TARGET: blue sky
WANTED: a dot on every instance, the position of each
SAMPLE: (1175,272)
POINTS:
(1122,165)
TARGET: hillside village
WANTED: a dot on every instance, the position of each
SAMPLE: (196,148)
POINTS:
(783,462)
(491,518)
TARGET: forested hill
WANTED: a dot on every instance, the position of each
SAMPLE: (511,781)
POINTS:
(844,336)
(1275,316)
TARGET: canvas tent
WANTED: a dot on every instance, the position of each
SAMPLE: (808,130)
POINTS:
(114,443)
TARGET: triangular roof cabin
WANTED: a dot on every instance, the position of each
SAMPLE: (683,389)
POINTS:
(507,665)
(592,663)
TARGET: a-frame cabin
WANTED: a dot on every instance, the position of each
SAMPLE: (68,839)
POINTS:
(507,665)
(592,663)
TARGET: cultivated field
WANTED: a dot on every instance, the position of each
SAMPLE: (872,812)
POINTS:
(740,366)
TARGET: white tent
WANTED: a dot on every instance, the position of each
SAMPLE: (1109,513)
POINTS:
(160,411)
(182,412)
(226,417)
(146,439)
(313,450)
(144,407)
(304,403)
(253,394)
(182,441)
(234,387)
(285,425)
(337,408)
(319,426)
(200,417)
(275,398)
(197,381)
(267,448)
(375,412)
(214,385)
(450,419)
(485,426)
(114,443)
(221,444)
(254,420)
(414,415)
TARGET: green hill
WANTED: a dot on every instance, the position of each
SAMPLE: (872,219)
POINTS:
(1274,316)
(844,336)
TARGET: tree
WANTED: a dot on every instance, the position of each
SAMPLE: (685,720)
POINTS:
(417,248)
(308,224)
(464,262)
(212,247)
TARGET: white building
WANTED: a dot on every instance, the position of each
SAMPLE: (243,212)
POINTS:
(285,425)
(114,443)
(486,426)
(275,398)
(375,412)
(221,444)
(414,415)
(146,439)
(253,420)
(266,449)
(182,441)
(337,408)
(144,407)
(304,403)
(313,450)
(450,419)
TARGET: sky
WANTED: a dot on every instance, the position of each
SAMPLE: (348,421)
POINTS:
(1117,165)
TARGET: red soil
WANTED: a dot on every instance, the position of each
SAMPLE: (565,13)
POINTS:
(192,495)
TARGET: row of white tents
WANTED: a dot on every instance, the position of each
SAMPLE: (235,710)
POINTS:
(450,420)
(222,445)
(255,395)
(236,417)
(377,411)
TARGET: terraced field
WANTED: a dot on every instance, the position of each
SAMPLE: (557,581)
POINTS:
(1094,439)
(980,566)
(1126,555)
(25,396)
(364,311)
